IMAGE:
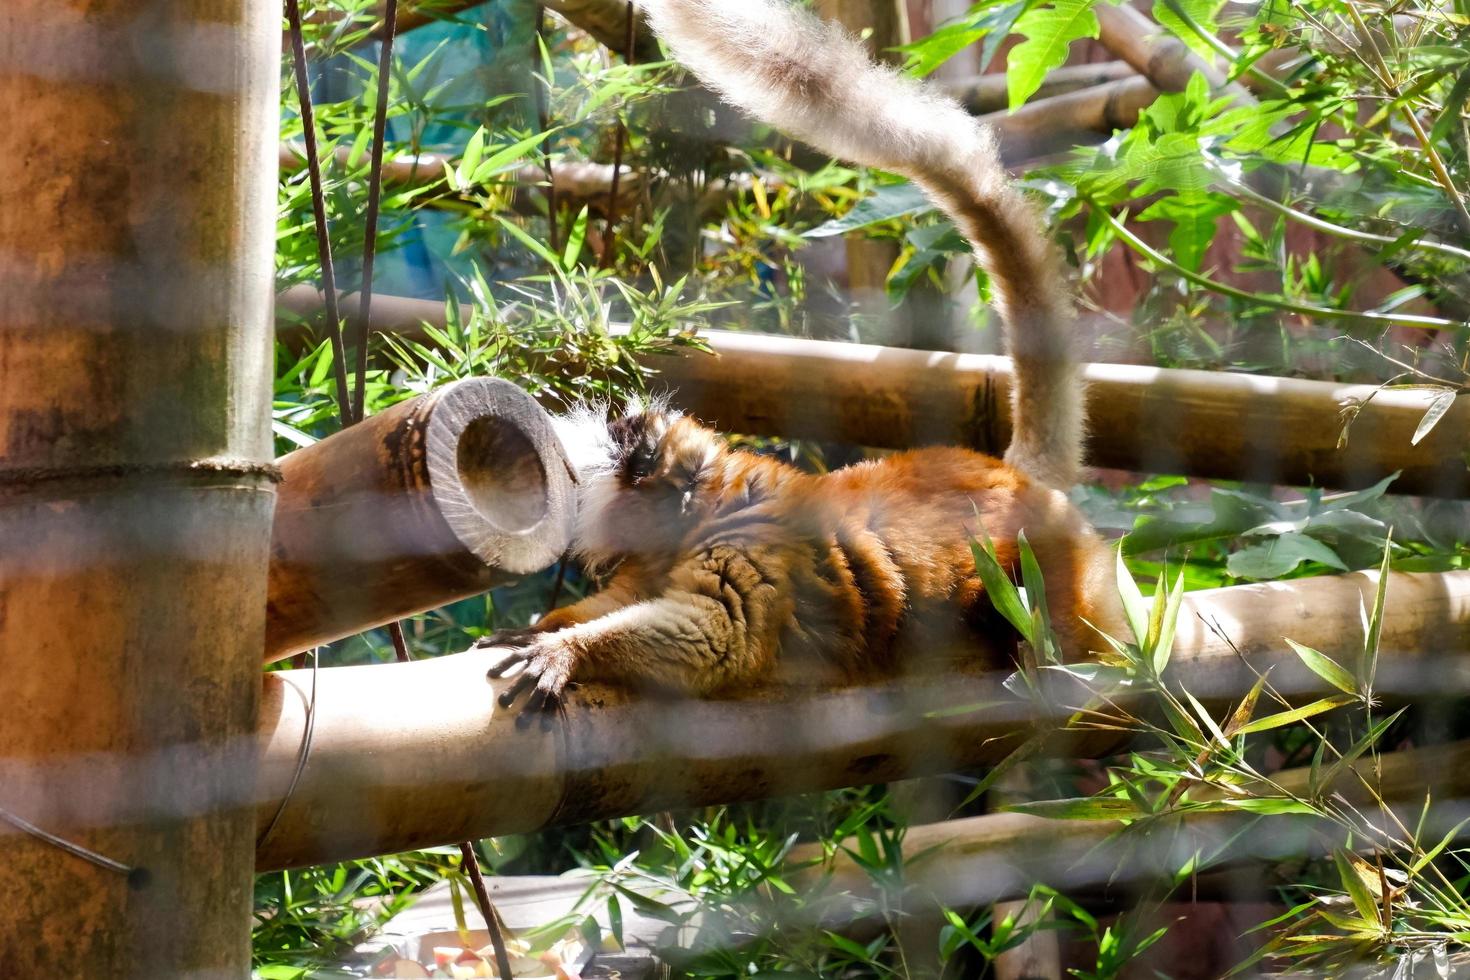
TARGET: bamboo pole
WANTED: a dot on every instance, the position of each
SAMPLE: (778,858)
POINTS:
(987,93)
(435,499)
(1199,423)
(580,182)
(408,755)
(999,856)
(135,479)
(1159,420)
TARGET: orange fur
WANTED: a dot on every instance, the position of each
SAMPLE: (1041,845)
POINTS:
(732,568)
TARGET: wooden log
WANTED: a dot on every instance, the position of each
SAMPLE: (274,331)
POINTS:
(408,755)
(998,856)
(435,499)
(136,235)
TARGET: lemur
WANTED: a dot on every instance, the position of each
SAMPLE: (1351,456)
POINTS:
(731,569)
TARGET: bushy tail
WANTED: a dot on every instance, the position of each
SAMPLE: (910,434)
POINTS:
(817,84)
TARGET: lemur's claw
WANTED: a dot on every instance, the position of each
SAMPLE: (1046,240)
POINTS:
(548,669)
(512,639)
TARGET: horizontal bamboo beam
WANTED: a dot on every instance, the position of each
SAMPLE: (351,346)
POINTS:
(577,182)
(409,755)
(990,92)
(998,856)
(1155,420)
(437,498)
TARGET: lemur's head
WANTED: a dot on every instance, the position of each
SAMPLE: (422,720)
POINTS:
(640,476)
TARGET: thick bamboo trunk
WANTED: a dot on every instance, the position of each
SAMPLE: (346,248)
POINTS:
(137,219)
(1198,423)
(407,755)
(987,93)
(1159,420)
(435,499)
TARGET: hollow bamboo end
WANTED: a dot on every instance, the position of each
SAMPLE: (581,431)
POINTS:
(499,475)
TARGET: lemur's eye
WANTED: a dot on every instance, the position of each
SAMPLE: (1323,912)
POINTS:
(642,461)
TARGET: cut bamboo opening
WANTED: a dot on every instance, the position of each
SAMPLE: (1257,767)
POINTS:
(435,499)
(409,755)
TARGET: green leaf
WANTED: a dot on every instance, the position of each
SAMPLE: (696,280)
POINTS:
(1267,805)
(516,232)
(1434,851)
(507,157)
(1049,31)
(1374,733)
(1325,667)
(1164,641)
(1368,666)
(1281,555)
(574,240)
(1081,808)
(856,950)
(1295,714)
(1133,607)
(1035,590)
(474,151)
(1201,12)
(1195,219)
(991,25)
(1353,884)
(1000,588)
(887,202)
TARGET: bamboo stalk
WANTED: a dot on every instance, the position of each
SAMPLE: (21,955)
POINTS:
(1198,423)
(408,755)
(135,478)
(986,93)
(1152,51)
(1157,420)
(435,499)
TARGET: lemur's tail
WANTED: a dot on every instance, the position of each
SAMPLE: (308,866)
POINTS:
(815,83)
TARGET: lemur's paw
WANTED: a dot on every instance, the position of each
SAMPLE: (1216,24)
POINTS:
(547,665)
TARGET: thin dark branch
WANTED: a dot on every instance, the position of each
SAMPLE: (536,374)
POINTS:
(375,196)
(610,235)
(319,210)
(471,864)
(400,645)
(543,120)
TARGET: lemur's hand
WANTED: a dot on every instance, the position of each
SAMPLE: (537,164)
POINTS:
(546,664)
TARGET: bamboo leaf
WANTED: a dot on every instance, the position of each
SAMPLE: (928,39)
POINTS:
(1374,733)
(1325,667)
(1295,714)
(1081,808)
(1164,640)
(1247,706)
(1368,666)
(1435,851)
(999,587)
(1133,608)
(1353,884)
(1436,411)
